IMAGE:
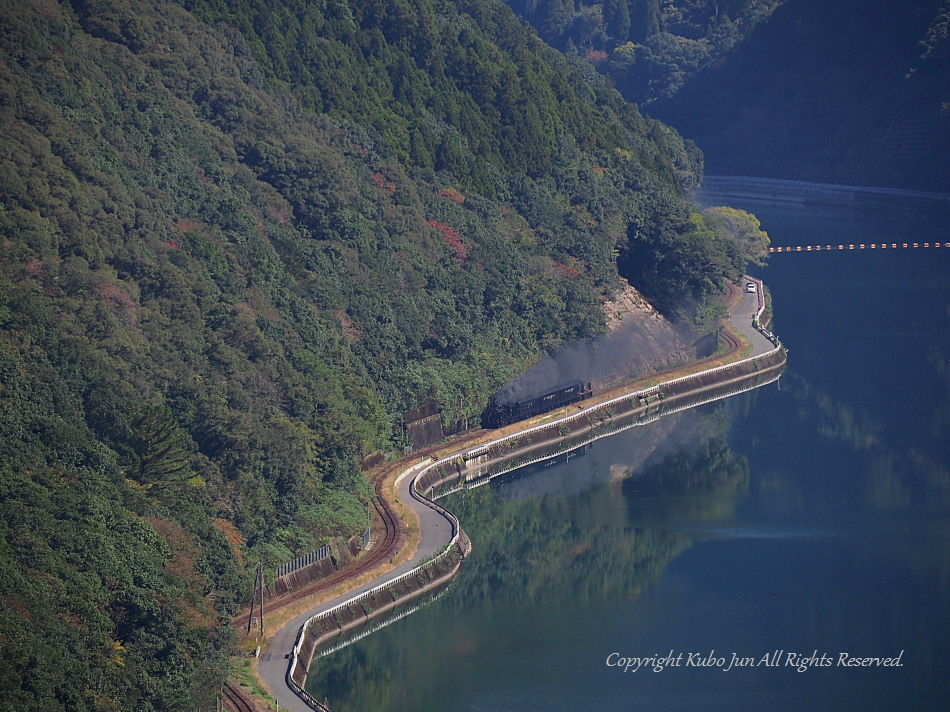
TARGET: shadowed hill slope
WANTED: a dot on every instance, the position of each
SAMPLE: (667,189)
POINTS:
(847,92)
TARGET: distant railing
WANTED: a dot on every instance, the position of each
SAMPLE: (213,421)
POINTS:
(302,634)
(645,419)
(736,182)
(758,315)
(382,624)
(483,449)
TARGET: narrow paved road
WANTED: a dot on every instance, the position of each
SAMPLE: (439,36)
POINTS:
(435,532)
(741,320)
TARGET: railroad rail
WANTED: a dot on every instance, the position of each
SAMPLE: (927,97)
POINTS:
(385,548)
(380,551)
(234,700)
(732,342)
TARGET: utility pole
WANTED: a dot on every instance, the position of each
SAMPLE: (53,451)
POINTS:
(258,585)
(250,614)
(260,578)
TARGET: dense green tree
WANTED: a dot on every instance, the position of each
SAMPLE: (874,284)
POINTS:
(158,447)
(744,229)
(617,18)
(674,39)
(644,19)
(556,17)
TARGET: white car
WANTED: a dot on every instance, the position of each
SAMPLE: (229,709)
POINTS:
(750,288)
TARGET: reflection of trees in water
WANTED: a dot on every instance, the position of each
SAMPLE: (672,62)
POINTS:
(510,465)
(834,419)
(545,555)
(535,550)
(353,678)
(940,360)
(585,546)
(897,476)
(896,479)
(703,483)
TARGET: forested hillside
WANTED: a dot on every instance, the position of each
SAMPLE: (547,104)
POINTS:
(648,48)
(848,92)
(239,240)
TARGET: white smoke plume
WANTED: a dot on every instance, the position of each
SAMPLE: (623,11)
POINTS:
(636,347)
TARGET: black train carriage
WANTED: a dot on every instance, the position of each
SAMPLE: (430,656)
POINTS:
(501,414)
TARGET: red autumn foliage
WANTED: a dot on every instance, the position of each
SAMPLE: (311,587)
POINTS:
(349,327)
(46,8)
(115,298)
(453,195)
(18,606)
(35,268)
(567,271)
(597,56)
(233,537)
(451,236)
(382,184)
(190,225)
(281,213)
(185,553)
(183,565)
(259,225)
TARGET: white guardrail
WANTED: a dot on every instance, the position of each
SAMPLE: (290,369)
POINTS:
(483,449)
(302,634)
(594,438)
(760,292)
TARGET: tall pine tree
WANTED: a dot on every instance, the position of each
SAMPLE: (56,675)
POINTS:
(158,448)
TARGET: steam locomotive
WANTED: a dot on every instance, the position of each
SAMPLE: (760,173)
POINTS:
(500,414)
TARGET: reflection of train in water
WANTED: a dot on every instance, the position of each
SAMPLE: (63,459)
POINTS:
(506,478)
(500,414)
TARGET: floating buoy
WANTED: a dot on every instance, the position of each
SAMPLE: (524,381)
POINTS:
(860,246)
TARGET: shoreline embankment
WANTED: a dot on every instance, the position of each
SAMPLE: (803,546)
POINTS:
(587,417)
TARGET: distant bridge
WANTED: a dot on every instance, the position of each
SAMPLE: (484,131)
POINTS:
(796,191)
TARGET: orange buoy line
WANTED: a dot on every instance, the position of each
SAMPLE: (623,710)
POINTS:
(871,246)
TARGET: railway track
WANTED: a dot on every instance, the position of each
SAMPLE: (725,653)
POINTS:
(381,550)
(731,342)
(234,700)
(388,527)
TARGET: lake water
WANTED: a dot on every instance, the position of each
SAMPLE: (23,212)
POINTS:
(812,516)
